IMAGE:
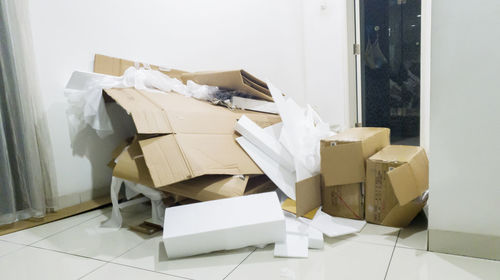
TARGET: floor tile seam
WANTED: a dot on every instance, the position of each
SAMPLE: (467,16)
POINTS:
(238,265)
(66,229)
(392,254)
(145,269)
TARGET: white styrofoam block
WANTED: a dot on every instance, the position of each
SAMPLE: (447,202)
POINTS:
(254,105)
(299,227)
(265,142)
(223,224)
(315,238)
(335,226)
(284,179)
(294,246)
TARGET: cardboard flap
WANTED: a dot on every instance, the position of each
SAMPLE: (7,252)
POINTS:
(165,160)
(342,163)
(308,193)
(215,154)
(420,168)
(209,187)
(404,184)
(148,117)
(289,205)
(239,80)
(132,168)
(401,216)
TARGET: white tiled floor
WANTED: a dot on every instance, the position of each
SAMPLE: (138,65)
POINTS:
(80,248)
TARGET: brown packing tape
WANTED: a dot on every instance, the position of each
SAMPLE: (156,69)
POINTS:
(308,193)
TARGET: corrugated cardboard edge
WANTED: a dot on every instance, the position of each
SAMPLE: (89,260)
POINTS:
(308,193)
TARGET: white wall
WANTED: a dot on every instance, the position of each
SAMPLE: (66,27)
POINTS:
(264,37)
(464,117)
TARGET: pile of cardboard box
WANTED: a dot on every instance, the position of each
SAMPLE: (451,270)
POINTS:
(366,178)
(189,150)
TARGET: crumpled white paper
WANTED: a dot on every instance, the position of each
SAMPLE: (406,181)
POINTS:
(84,94)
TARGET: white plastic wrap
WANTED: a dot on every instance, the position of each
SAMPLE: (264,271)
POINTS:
(301,133)
(84,93)
(131,190)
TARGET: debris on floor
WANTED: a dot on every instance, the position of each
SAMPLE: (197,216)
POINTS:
(229,161)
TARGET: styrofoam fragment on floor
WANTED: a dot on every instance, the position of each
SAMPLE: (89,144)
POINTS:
(223,224)
(294,246)
(335,226)
(296,226)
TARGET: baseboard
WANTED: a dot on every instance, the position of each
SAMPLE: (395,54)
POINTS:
(57,215)
(465,244)
(69,200)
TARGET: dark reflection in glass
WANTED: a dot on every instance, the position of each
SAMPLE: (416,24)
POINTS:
(390,67)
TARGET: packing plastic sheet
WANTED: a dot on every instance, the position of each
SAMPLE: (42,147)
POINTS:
(301,133)
(132,190)
(84,94)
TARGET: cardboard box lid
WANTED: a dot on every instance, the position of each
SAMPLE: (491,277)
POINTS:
(239,80)
(343,155)
(410,179)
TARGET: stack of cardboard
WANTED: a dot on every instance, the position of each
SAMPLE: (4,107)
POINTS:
(184,146)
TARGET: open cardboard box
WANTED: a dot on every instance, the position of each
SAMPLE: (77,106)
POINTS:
(397,178)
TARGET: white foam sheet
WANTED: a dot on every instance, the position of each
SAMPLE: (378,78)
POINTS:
(254,105)
(223,224)
(265,141)
(284,179)
(300,237)
(335,226)
(294,246)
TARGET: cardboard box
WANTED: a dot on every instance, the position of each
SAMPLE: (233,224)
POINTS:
(345,201)
(223,224)
(181,138)
(343,156)
(239,80)
(397,177)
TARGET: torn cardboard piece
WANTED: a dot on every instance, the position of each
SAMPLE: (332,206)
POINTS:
(335,226)
(343,155)
(397,179)
(238,80)
(223,224)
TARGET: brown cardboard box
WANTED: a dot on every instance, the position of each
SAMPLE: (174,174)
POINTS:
(345,201)
(239,80)
(397,177)
(343,155)
(180,138)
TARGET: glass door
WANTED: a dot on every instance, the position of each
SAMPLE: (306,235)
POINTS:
(389,38)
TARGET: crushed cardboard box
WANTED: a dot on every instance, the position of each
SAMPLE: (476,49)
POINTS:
(397,181)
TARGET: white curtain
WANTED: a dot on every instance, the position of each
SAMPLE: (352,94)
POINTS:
(25,167)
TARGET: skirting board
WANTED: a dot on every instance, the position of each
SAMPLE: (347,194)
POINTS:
(464,244)
(57,215)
